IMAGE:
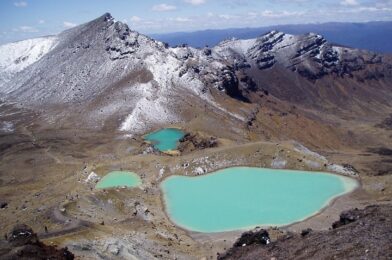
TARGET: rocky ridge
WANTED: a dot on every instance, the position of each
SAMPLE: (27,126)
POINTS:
(310,55)
(124,76)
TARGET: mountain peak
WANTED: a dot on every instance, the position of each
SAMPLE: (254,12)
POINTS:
(272,32)
(106,17)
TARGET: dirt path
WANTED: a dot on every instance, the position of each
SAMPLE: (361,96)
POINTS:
(71,225)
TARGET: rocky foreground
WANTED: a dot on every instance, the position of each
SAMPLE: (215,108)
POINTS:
(23,243)
(359,234)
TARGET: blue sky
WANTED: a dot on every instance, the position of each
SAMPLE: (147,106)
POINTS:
(21,19)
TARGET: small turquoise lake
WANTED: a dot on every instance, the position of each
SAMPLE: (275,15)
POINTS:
(244,197)
(165,139)
(118,179)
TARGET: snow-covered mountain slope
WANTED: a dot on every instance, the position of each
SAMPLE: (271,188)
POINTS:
(15,57)
(103,73)
(307,69)
(103,70)
(311,55)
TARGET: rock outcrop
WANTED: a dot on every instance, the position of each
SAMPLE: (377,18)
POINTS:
(260,237)
(193,141)
(23,243)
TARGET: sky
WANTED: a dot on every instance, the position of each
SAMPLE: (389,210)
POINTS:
(23,19)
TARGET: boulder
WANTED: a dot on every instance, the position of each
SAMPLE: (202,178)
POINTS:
(260,237)
(199,171)
(346,217)
(306,232)
(3,204)
(21,235)
(386,123)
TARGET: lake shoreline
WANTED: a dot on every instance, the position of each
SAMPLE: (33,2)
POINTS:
(329,203)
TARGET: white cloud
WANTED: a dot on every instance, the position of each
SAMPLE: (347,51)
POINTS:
(182,19)
(41,21)
(163,8)
(366,9)
(26,29)
(135,19)
(273,14)
(20,4)
(196,2)
(69,24)
(349,2)
(227,16)
(250,16)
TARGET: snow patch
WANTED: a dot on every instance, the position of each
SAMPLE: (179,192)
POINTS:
(15,57)
(341,169)
(147,112)
(92,178)
(199,171)
(338,50)
(312,164)
(160,174)
(7,127)
(278,163)
(240,47)
(304,150)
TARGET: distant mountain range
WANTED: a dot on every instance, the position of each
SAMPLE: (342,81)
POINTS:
(374,36)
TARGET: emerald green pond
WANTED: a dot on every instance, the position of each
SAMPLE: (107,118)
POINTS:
(244,197)
(119,179)
(165,139)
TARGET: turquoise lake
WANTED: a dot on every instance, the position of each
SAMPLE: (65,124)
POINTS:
(244,197)
(165,139)
(117,179)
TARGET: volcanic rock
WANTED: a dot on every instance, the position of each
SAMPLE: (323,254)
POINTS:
(23,243)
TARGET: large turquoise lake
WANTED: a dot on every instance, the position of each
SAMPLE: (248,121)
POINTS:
(165,139)
(244,197)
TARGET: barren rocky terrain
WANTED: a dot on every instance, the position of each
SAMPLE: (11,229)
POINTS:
(279,101)
(358,234)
